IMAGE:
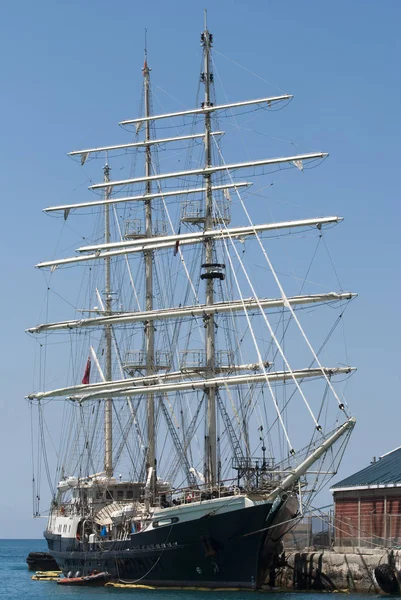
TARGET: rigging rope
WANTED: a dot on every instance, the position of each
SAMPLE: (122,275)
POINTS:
(287,305)
(262,367)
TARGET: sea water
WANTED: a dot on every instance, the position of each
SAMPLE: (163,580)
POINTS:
(16,583)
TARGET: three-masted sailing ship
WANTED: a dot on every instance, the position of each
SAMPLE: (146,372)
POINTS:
(196,436)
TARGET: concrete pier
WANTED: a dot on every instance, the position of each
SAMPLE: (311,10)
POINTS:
(328,570)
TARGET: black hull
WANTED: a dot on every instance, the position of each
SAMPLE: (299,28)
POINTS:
(233,549)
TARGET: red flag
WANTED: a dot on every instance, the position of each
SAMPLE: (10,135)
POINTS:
(85,379)
(177,242)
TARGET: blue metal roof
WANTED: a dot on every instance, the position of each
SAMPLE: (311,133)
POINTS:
(385,471)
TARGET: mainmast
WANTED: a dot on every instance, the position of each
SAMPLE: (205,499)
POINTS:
(108,405)
(148,257)
(210,437)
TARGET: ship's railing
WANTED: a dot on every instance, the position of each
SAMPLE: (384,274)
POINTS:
(66,509)
(135,228)
(196,359)
(188,495)
(194,211)
(135,360)
(246,463)
(224,358)
(166,498)
(192,359)
(63,509)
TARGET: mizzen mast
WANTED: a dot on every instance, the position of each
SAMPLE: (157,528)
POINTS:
(148,258)
(210,437)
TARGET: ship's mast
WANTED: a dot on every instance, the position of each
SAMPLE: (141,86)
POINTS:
(108,405)
(216,375)
(210,438)
(148,256)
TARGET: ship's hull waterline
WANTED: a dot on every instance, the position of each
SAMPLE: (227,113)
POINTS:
(231,549)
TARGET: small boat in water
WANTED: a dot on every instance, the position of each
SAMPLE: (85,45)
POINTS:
(95,578)
(41,561)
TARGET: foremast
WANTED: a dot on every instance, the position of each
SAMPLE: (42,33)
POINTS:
(211,435)
(149,326)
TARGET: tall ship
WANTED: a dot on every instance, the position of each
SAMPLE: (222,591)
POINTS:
(196,416)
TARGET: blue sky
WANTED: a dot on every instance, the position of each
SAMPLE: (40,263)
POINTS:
(72,69)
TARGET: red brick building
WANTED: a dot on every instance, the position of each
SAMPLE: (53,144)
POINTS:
(367,505)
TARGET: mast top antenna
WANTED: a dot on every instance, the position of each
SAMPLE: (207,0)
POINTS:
(205,18)
(145,64)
